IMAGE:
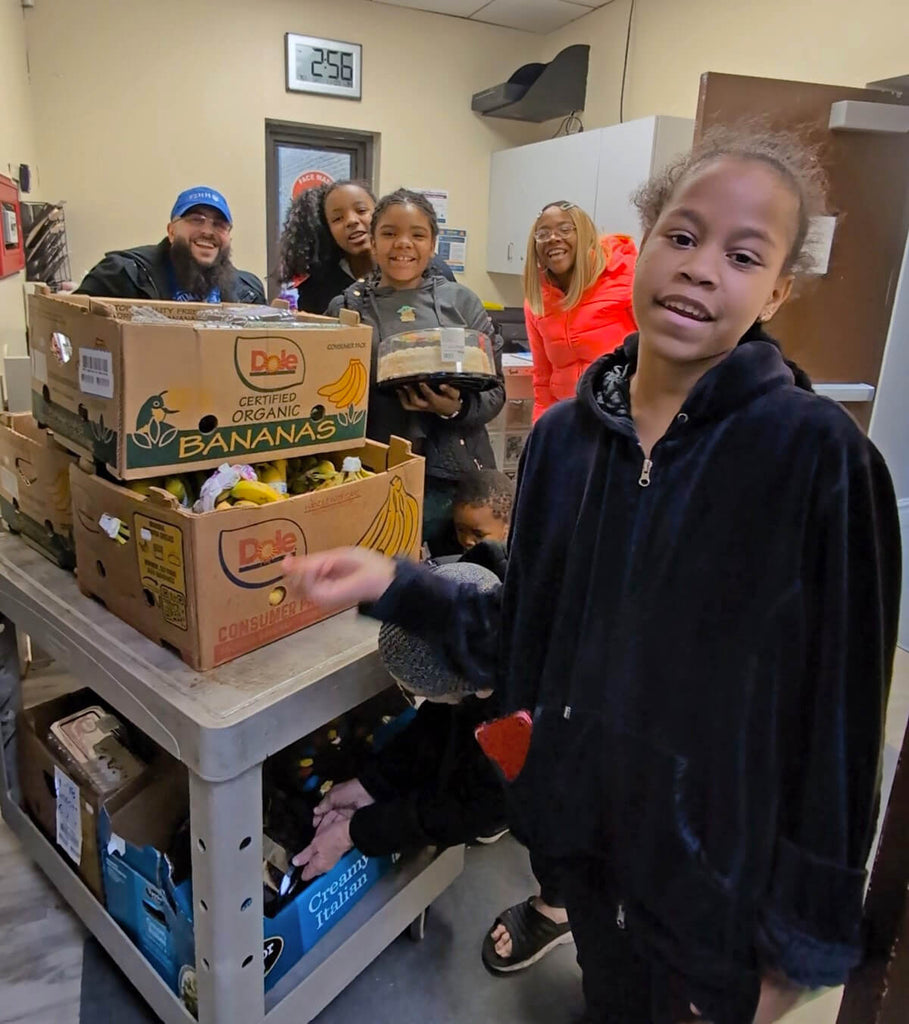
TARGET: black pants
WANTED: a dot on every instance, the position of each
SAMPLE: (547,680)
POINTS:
(621,985)
(548,873)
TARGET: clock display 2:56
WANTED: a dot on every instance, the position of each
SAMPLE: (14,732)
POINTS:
(325,65)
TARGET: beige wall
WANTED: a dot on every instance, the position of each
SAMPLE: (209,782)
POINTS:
(17,146)
(136,100)
(674,41)
(133,101)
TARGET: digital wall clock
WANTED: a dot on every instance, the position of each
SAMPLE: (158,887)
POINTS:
(324,66)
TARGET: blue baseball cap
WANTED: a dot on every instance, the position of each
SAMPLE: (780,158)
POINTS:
(201,195)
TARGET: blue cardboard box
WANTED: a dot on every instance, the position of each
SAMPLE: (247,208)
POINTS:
(158,914)
(134,830)
(298,926)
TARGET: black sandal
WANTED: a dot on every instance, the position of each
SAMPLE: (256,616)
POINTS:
(533,935)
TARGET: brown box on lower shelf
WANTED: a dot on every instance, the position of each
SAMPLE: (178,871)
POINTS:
(210,585)
(42,772)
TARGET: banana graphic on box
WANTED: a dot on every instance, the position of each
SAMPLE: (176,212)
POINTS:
(349,388)
(396,527)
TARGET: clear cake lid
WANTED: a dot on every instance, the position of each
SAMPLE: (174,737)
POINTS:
(438,350)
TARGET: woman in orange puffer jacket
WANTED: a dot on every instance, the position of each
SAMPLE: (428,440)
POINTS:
(577,291)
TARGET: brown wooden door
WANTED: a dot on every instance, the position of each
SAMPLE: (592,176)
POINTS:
(836,326)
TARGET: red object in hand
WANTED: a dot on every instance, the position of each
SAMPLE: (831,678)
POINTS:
(506,741)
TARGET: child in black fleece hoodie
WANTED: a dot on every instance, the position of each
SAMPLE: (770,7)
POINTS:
(700,612)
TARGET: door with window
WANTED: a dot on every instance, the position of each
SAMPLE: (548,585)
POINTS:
(302,156)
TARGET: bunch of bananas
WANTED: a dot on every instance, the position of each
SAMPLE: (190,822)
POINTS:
(349,388)
(181,487)
(312,474)
(275,481)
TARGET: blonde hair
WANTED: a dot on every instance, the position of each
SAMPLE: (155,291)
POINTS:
(589,263)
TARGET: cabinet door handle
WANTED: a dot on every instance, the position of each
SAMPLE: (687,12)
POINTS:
(851,392)
(510,256)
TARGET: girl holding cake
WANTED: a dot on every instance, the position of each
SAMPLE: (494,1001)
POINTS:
(446,425)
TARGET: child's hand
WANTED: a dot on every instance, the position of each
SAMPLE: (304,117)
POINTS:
(328,847)
(422,398)
(340,803)
(341,577)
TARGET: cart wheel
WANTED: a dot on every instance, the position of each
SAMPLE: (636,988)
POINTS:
(416,930)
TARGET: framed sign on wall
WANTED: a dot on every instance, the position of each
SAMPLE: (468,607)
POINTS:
(324,66)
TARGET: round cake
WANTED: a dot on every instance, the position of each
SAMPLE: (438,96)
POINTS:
(418,359)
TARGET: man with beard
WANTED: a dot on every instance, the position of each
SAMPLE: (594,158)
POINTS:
(192,264)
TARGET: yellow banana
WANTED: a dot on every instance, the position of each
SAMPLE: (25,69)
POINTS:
(177,487)
(273,476)
(330,481)
(222,505)
(255,491)
(353,469)
(142,486)
(322,475)
(349,388)
(245,503)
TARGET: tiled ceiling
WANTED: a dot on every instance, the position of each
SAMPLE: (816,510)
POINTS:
(530,15)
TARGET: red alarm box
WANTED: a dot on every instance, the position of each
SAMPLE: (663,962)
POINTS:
(12,250)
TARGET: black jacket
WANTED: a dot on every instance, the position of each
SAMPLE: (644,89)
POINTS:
(707,659)
(315,293)
(451,447)
(142,273)
(432,784)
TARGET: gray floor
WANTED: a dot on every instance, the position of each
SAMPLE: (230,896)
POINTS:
(442,980)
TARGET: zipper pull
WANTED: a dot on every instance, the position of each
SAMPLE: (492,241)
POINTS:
(644,479)
(620,916)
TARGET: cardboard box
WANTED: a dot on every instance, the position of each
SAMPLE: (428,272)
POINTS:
(508,432)
(157,913)
(136,831)
(73,825)
(148,399)
(34,487)
(209,585)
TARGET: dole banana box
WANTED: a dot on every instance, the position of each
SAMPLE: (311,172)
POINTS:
(150,398)
(34,487)
(209,585)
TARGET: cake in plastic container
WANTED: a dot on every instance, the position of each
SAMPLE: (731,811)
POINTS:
(440,355)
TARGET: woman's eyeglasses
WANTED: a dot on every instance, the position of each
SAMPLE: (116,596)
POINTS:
(559,231)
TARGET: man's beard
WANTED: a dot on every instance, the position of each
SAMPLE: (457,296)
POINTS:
(198,280)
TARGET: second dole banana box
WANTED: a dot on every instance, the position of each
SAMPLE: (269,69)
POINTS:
(210,585)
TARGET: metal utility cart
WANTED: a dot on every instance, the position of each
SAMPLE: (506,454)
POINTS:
(221,724)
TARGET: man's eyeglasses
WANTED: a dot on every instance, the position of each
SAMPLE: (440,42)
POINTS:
(202,220)
(559,231)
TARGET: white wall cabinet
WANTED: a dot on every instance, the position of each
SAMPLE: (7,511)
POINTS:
(597,169)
